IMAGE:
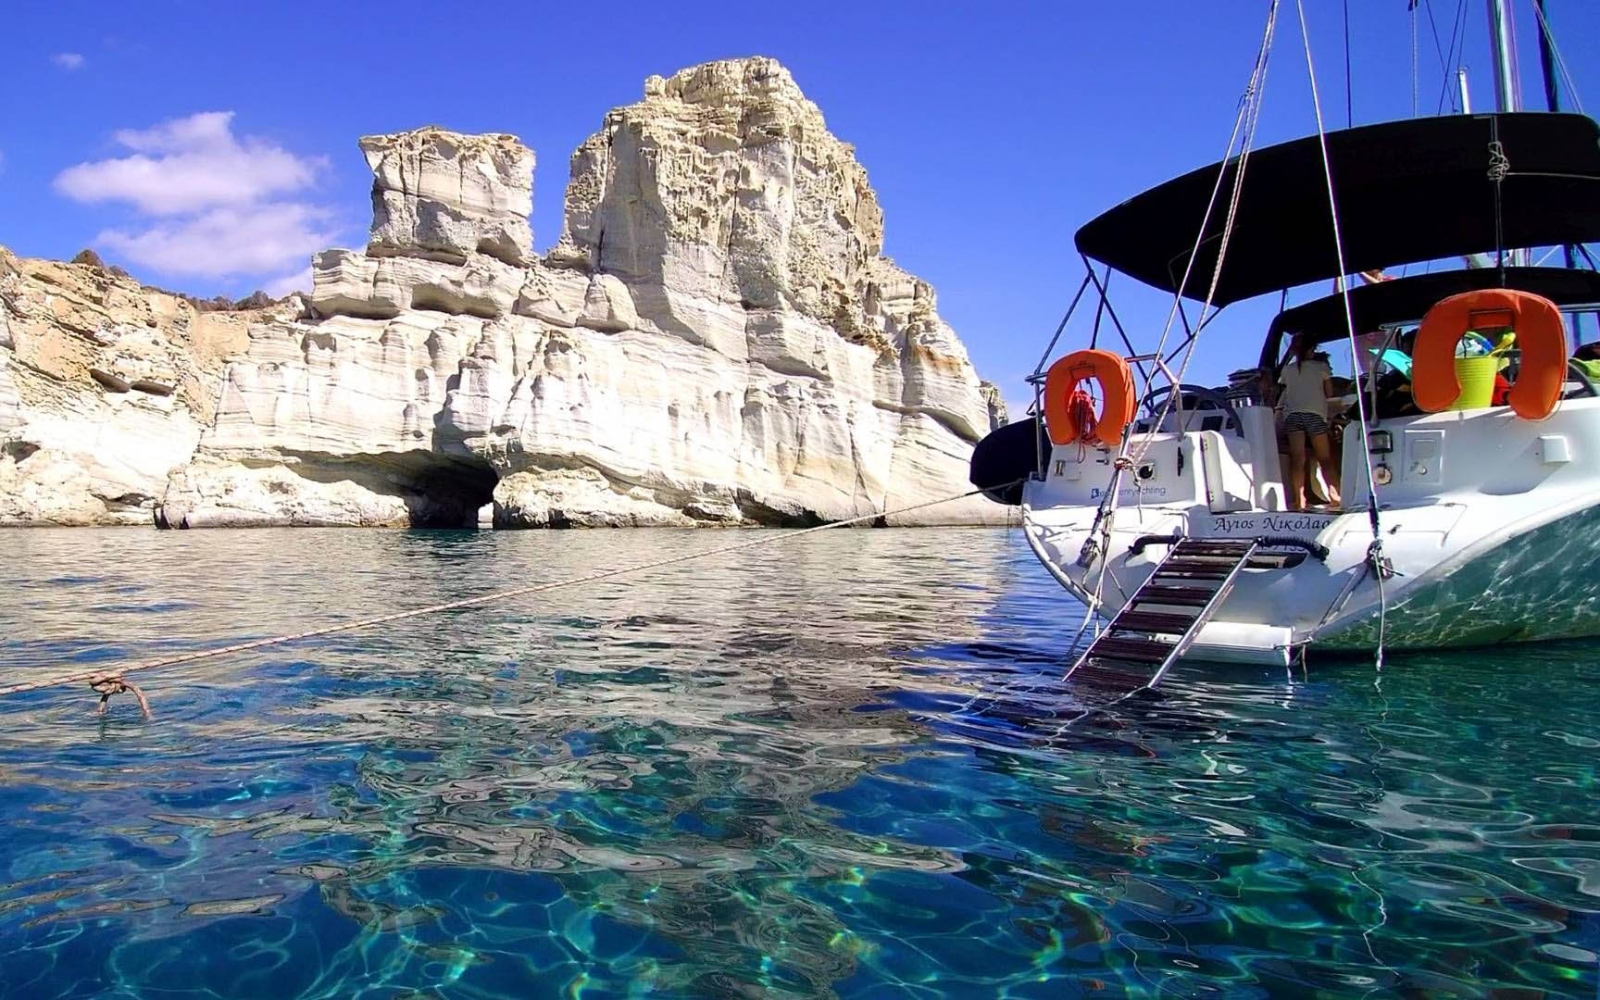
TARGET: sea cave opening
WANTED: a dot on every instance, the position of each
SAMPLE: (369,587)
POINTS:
(448,491)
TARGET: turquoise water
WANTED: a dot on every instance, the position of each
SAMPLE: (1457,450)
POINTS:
(844,767)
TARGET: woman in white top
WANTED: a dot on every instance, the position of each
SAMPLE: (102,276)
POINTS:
(1305,415)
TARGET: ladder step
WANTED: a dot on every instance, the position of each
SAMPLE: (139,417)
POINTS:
(1191,574)
(1197,597)
(1138,650)
(1231,546)
(1153,621)
(1118,675)
(1195,575)
(1190,562)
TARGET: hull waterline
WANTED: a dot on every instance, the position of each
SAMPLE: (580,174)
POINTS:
(1495,538)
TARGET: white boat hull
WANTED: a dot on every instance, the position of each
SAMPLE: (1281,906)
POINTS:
(1492,526)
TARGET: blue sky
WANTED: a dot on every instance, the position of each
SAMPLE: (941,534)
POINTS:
(990,131)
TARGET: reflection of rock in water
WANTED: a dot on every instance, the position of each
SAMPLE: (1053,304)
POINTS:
(702,783)
(675,793)
(652,746)
(701,832)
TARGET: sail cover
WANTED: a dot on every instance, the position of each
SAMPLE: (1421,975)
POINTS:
(1407,191)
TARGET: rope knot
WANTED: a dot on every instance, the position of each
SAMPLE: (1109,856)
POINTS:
(1499,163)
(1379,563)
(106,685)
(1122,462)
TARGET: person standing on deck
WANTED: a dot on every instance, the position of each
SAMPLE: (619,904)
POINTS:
(1306,388)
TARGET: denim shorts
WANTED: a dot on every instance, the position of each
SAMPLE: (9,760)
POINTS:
(1308,423)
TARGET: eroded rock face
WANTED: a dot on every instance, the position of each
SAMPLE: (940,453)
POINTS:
(449,196)
(75,449)
(724,185)
(715,339)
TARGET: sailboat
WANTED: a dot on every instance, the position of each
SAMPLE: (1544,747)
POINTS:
(1470,517)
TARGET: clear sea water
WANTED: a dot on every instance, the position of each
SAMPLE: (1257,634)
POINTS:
(841,767)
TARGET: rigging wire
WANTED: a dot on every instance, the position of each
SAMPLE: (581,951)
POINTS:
(1438,48)
(1349,105)
(1447,59)
(1375,550)
(1239,122)
(1458,51)
(1247,120)
(1555,50)
(1252,101)
(1511,57)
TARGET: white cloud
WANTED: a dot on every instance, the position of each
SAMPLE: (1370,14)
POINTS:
(211,203)
(201,130)
(222,242)
(300,281)
(187,165)
(68,60)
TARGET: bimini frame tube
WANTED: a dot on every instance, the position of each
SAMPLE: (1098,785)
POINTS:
(1037,378)
(1060,327)
(1112,312)
(1190,335)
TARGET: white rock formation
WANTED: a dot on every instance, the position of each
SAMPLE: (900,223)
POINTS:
(716,338)
(73,450)
(449,195)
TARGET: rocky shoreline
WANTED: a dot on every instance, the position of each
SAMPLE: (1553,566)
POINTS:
(715,339)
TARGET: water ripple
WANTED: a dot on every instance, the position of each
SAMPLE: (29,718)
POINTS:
(843,768)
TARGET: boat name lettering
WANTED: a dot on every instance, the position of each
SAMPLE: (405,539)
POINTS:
(1129,492)
(1272,523)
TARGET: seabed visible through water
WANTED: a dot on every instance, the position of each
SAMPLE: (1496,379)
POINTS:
(839,767)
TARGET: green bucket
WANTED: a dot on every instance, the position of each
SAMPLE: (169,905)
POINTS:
(1477,381)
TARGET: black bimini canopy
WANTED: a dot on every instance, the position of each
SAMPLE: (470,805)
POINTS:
(1407,191)
(1405,300)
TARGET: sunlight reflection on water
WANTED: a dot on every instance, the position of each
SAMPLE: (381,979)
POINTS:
(839,767)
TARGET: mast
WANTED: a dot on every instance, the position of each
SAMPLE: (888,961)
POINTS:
(1505,58)
(1506,93)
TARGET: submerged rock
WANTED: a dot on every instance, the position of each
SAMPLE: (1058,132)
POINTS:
(716,338)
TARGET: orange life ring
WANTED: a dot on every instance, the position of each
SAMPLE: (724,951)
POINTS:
(1116,391)
(1540,335)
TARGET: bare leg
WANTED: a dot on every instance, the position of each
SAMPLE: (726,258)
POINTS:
(1322,448)
(1297,470)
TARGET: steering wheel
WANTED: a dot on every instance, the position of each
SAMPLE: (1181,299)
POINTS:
(1207,399)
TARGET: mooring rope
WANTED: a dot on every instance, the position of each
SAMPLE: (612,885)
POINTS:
(110,681)
(1249,118)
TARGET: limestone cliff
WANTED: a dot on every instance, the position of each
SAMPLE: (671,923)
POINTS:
(105,389)
(715,338)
